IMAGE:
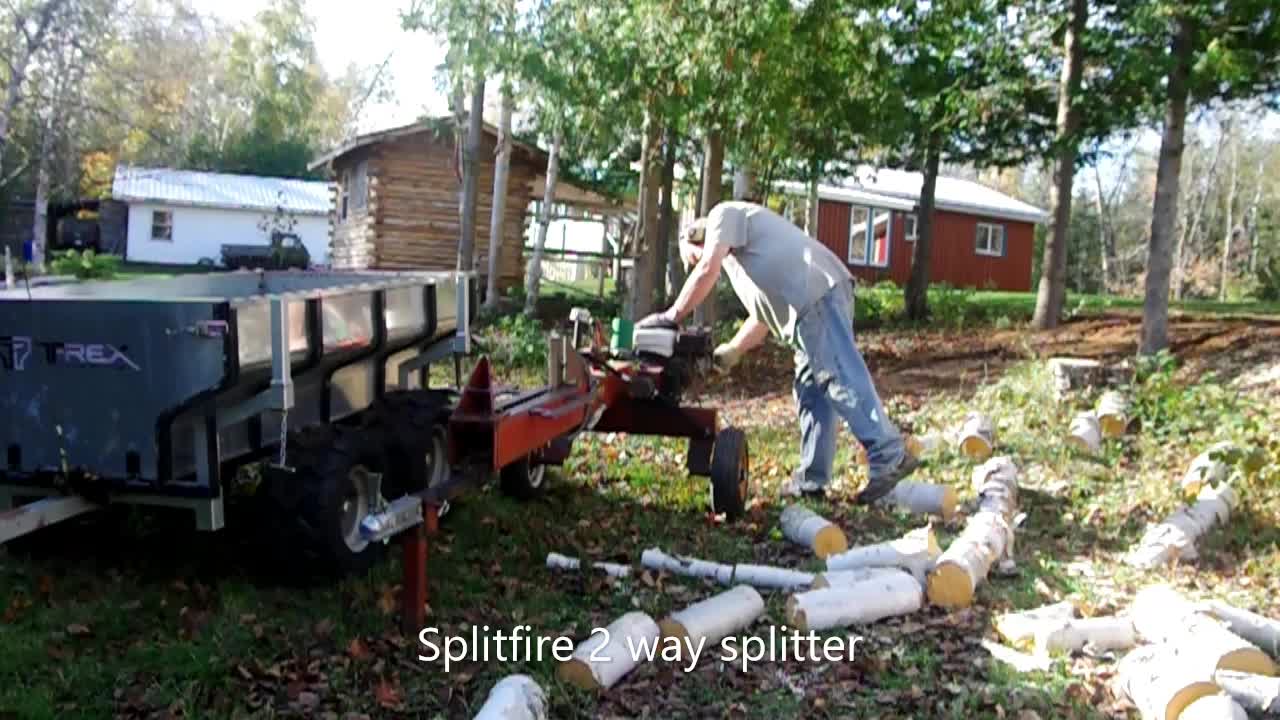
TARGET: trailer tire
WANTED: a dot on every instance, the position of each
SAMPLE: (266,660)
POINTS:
(413,424)
(523,479)
(730,473)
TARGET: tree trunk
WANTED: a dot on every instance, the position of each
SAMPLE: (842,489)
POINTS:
(712,187)
(646,246)
(1192,231)
(40,211)
(1106,234)
(1252,217)
(471,178)
(25,46)
(917,290)
(811,209)
(666,222)
(1229,228)
(501,172)
(1164,211)
(1053,274)
(744,184)
(534,277)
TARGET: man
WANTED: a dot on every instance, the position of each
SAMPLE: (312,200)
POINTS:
(797,289)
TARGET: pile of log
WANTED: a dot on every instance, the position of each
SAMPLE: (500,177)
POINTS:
(1072,375)
(1057,629)
(1176,537)
(987,537)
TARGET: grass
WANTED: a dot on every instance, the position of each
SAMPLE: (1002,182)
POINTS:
(137,615)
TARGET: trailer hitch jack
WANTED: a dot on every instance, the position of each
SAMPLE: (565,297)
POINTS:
(413,591)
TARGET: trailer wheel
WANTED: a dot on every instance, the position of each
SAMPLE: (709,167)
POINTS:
(523,479)
(413,422)
(730,473)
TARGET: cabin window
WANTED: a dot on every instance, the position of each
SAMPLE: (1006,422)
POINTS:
(360,186)
(870,231)
(910,227)
(344,195)
(990,240)
(162,225)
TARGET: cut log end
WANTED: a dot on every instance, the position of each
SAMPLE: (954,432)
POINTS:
(949,503)
(1185,696)
(949,587)
(830,540)
(1113,426)
(975,448)
(1248,660)
(578,674)
(671,627)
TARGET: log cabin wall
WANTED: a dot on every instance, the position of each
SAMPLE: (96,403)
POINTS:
(351,213)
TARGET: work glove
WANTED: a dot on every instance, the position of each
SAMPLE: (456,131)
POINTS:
(657,320)
(726,356)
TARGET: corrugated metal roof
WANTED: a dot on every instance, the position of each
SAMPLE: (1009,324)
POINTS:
(219,190)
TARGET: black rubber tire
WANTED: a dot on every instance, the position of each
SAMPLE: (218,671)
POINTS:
(413,425)
(523,480)
(730,473)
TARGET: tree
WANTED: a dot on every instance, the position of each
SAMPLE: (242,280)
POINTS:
(31,23)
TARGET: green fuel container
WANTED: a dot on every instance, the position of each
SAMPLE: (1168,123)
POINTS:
(620,337)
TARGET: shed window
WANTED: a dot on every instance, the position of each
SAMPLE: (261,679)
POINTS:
(344,195)
(360,186)
(870,232)
(910,227)
(162,225)
(990,240)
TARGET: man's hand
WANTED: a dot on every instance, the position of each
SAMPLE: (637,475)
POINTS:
(664,319)
(726,356)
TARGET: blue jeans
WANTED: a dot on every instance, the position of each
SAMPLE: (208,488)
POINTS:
(832,379)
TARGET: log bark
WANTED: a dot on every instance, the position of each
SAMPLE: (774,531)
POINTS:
(514,697)
(843,578)
(926,444)
(1214,707)
(599,665)
(712,191)
(656,559)
(1161,682)
(1162,615)
(1229,229)
(556,561)
(646,246)
(977,436)
(1113,414)
(1019,628)
(1261,631)
(1098,633)
(1164,210)
(715,618)
(804,527)
(1257,694)
(1175,538)
(1207,469)
(1052,292)
(534,282)
(1086,433)
(924,498)
(497,219)
(767,576)
(666,220)
(875,598)
(914,552)
(986,539)
(811,208)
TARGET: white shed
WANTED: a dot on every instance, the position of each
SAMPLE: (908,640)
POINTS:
(181,217)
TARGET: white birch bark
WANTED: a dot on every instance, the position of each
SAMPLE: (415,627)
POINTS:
(878,597)
(806,528)
(534,276)
(514,697)
(601,660)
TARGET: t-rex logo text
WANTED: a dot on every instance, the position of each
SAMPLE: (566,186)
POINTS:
(16,350)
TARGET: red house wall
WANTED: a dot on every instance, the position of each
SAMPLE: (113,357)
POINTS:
(952,257)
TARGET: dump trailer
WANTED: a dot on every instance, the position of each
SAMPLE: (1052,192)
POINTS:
(157,391)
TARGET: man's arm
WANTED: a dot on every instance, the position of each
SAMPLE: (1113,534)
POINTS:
(751,333)
(699,283)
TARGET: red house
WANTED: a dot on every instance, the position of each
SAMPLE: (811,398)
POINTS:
(982,238)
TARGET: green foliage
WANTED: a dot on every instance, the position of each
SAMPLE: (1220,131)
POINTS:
(1267,280)
(514,340)
(86,265)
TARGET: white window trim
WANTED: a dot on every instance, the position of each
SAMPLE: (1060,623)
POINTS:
(992,229)
(915,227)
(154,214)
(344,196)
(868,238)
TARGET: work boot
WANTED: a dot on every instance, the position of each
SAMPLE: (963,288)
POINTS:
(883,485)
(798,486)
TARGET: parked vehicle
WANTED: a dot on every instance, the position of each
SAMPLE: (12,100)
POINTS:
(285,251)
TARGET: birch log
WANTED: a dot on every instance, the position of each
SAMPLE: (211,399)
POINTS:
(926,444)
(514,697)
(603,659)
(1207,469)
(1098,633)
(843,578)
(1113,414)
(556,561)
(767,576)
(878,597)
(656,559)
(715,618)
(924,499)
(987,537)
(977,436)
(1261,631)
(1257,694)
(1085,433)
(914,552)
(1161,682)
(804,527)
(1019,628)
(1161,614)
(1214,707)
(1176,537)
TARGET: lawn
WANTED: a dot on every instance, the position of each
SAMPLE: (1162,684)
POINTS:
(135,615)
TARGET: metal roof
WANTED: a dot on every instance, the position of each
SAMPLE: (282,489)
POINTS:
(900,190)
(219,190)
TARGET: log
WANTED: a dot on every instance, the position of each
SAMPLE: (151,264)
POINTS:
(1257,694)
(977,436)
(767,576)
(1074,634)
(924,499)
(1214,707)
(804,527)
(599,665)
(875,598)
(1161,682)
(1257,629)
(1208,468)
(926,444)
(1175,538)
(1162,615)
(706,623)
(1070,374)
(987,537)
(1018,660)
(656,559)
(914,552)
(1019,628)
(842,578)
(1113,414)
(556,561)
(514,697)
(1085,433)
